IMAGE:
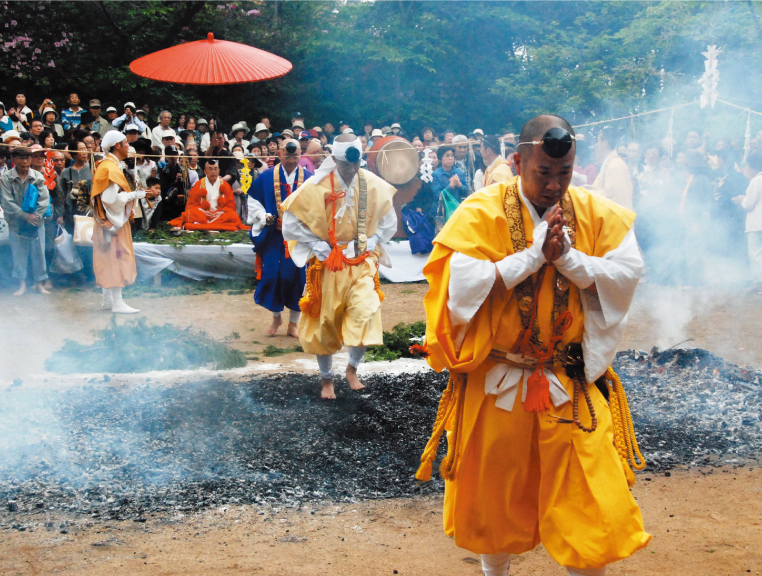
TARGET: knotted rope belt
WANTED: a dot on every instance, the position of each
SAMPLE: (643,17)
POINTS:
(313,289)
(452,404)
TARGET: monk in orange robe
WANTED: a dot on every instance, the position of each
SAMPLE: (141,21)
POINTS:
(211,204)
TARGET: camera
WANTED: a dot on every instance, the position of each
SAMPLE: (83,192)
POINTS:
(291,148)
(130,162)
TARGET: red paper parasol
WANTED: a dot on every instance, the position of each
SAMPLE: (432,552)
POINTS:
(211,61)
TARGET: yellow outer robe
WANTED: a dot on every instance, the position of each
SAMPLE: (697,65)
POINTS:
(498,171)
(114,261)
(350,311)
(523,479)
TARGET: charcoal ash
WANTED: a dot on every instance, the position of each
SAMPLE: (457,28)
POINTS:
(692,408)
(103,452)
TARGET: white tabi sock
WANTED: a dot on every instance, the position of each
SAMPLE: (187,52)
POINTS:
(356,354)
(496,564)
(293,315)
(119,306)
(325,363)
(587,571)
(276,314)
(108,302)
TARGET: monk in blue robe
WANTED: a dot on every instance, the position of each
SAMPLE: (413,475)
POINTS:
(281,282)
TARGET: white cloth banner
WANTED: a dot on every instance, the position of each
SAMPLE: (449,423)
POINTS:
(237,261)
(406,267)
(195,261)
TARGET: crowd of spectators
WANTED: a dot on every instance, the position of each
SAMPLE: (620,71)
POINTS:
(690,195)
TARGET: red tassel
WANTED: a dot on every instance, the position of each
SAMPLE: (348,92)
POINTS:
(538,392)
(285,246)
(335,261)
(258,267)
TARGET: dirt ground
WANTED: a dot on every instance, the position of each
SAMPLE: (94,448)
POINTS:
(704,522)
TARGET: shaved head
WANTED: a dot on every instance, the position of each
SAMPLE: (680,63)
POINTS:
(285,141)
(544,178)
(536,128)
(346,138)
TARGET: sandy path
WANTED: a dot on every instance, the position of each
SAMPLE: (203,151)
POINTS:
(703,525)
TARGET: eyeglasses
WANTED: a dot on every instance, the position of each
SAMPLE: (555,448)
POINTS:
(556,142)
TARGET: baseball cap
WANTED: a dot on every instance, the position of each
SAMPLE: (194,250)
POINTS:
(171,151)
(376,132)
(479,131)
(304,135)
(168,133)
(131,128)
(110,109)
(130,105)
(95,103)
(318,129)
(298,124)
(396,125)
(201,121)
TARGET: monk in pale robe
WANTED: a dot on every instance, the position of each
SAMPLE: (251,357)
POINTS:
(497,169)
(521,271)
(614,180)
(338,220)
(113,203)
(211,204)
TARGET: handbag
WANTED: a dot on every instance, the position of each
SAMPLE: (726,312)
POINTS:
(83,230)
(420,232)
(66,260)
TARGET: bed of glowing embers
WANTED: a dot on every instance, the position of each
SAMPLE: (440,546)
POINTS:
(127,452)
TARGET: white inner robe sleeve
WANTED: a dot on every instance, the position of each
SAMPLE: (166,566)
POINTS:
(257,216)
(616,276)
(296,230)
(118,205)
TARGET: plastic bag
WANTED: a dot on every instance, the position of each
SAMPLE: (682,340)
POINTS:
(66,260)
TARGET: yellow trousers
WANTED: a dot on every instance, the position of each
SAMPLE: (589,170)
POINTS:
(350,311)
(524,479)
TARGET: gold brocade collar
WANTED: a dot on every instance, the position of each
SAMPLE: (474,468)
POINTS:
(525,290)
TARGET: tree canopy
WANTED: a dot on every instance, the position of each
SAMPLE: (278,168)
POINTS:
(448,64)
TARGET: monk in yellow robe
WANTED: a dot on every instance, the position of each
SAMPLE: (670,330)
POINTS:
(211,204)
(338,220)
(113,203)
(521,271)
(497,169)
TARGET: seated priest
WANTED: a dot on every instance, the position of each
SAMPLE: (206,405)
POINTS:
(211,204)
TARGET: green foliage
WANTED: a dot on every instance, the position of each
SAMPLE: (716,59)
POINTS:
(271,350)
(176,285)
(397,342)
(162,234)
(138,347)
(450,64)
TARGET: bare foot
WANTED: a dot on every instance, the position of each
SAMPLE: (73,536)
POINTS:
(352,378)
(39,286)
(48,285)
(21,291)
(292,330)
(273,329)
(327,392)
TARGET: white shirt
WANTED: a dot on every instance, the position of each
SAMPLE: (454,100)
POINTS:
(117,203)
(615,276)
(752,203)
